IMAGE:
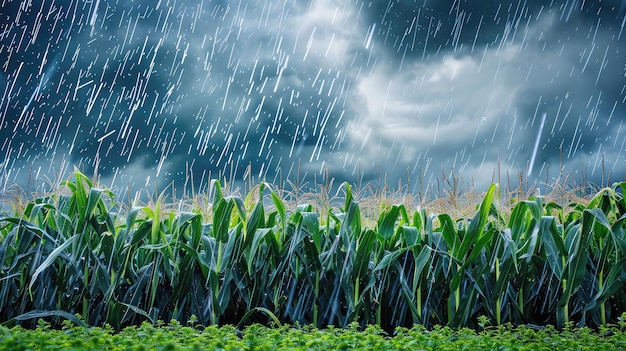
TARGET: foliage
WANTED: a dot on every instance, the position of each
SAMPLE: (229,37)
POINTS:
(254,259)
(174,336)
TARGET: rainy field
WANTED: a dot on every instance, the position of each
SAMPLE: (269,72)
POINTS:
(373,98)
(78,255)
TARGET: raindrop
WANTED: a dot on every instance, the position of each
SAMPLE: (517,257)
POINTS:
(536,147)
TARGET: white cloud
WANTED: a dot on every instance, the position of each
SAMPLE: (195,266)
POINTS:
(467,105)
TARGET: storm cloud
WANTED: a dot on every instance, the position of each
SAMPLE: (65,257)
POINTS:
(153,92)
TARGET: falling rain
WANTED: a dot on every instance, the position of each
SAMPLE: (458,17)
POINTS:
(148,93)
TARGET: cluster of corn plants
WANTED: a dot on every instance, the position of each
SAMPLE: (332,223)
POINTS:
(254,259)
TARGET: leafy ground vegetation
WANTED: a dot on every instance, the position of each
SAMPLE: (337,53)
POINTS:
(257,337)
(78,255)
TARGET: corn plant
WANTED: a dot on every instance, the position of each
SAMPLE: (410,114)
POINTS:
(256,259)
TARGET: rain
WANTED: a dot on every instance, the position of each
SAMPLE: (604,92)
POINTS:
(149,93)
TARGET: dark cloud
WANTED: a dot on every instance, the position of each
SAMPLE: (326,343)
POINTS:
(153,91)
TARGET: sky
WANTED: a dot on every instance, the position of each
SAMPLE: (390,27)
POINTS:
(148,93)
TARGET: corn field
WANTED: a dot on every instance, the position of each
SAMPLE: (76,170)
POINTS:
(70,255)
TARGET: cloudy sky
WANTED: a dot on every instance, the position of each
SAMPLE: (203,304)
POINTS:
(150,92)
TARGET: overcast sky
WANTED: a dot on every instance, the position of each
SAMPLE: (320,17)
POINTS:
(157,91)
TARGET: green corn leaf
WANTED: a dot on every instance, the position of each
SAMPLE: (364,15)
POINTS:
(507,271)
(483,243)
(579,254)
(137,310)
(208,250)
(282,213)
(216,192)
(553,245)
(94,200)
(509,248)
(419,217)
(311,223)
(155,247)
(312,255)
(504,255)
(36,314)
(35,212)
(156,228)
(469,260)
(461,316)
(552,207)
(598,216)
(529,246)
(192,222)
(230,248)
(362,259)
(521,224)
(349,198)
(263,310)
(304,208)
(478,223)
(225,292)
(449,233)
(221,219)
(30,227)
(107,245)
(410,235)
(404,215)
(154,281)
(50,259)
(387,221)
(618,235)
(408,299)
(141,233)
(422,259)
(614,282)
(255,221)
(131,217)
(259,236)
(240,206)
(193,252)
(389,258)
(350,227)
(79,196)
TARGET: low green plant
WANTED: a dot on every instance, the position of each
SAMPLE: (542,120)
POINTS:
(174,336)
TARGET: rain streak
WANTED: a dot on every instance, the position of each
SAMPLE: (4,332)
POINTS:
(147,93)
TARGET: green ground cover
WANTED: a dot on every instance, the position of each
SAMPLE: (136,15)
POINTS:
(257,337)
